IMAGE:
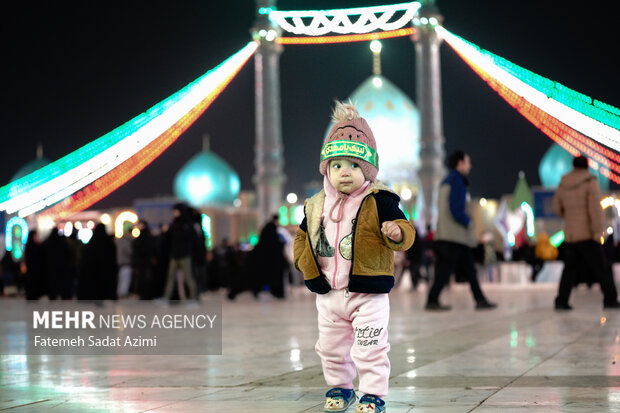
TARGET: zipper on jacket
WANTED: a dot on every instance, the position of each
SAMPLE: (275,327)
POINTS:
(336,247)
(346,292)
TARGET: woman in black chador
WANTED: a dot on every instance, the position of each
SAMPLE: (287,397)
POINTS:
(56,263)
(99,270)
(269,261)
(36,280)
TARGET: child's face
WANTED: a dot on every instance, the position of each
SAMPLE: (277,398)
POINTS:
(345,176)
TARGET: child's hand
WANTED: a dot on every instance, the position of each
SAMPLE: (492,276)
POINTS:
(391,230)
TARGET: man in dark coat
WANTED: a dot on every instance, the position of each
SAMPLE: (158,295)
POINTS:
(455,238)
(182,238)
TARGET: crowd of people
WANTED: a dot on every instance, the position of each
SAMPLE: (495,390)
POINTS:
(62,267)
(170,263)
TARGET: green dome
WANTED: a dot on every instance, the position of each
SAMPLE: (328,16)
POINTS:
(207,180)
(395,123)
(33,165)
(557,162)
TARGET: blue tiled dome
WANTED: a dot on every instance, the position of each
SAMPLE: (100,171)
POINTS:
(33,165)
(557,162)
(207,180)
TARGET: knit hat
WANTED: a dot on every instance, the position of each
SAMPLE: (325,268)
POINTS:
(352,139)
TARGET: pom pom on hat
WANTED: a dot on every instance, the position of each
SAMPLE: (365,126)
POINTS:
(344,111)
(351,138)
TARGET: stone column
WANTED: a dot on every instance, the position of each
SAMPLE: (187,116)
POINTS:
(268,159)
(428,87)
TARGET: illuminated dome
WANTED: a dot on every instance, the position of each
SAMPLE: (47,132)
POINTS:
(557,162)
(207,180)
(33,165)
(37,163)
(395,122)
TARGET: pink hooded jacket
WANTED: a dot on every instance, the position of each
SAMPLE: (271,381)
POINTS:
(339,212)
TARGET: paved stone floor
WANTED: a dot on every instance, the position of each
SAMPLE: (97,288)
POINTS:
(521,357)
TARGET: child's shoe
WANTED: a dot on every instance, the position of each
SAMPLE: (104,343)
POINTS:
(339,399)
(369,403)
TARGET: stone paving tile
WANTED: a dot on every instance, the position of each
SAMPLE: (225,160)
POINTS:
(521,357)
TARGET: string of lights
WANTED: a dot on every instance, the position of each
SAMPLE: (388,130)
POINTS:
(181,104)
(108,183)
(408,31)
(569,139)
(90,150)
(593,108)
(595,129)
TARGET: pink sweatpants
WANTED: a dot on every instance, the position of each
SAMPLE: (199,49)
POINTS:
(353,333)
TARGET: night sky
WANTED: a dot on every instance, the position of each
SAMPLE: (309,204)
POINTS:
(74,70)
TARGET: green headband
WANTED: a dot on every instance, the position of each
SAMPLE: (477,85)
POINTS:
(335,149)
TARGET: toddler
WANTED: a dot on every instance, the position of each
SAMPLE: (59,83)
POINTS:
(345,249)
